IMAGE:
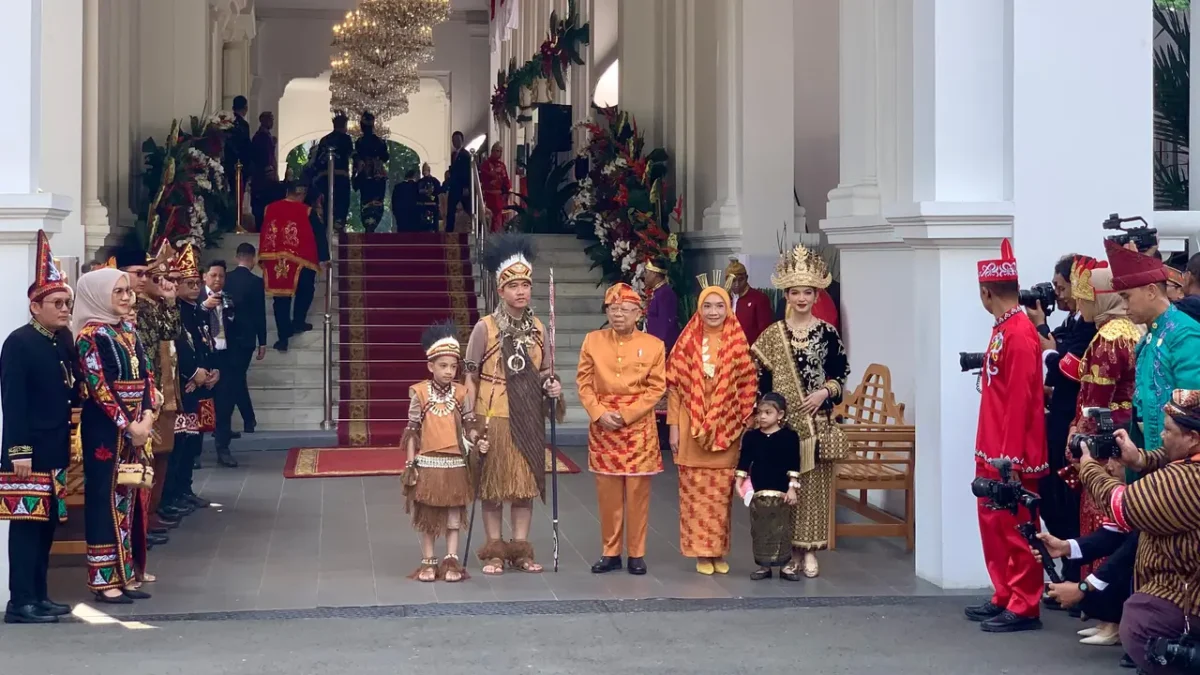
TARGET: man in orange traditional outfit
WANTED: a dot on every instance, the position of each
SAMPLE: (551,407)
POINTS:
(712,384)
(493,176)
(621,378)
(287,249)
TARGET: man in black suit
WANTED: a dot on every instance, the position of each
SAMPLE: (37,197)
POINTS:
(246,340)
(1103,593)
(1060,504)
(458,184)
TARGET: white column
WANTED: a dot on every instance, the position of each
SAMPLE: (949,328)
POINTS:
(23,207)
(767,137)
(857,193)
(95,215)
(723,214)
(62,115)
(581,83)
(641,66)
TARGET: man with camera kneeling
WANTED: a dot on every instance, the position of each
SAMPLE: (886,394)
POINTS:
(1164,507)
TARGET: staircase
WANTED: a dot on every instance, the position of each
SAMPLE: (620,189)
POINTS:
(390,288)
(286,388)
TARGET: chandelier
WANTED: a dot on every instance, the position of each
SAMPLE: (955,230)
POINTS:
(377,50)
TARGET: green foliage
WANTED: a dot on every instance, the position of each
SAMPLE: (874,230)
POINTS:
(1172,107)
(401,159)
(561,48)
(1173,4)
(549,191)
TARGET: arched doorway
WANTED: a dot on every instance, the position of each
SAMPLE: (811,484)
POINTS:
(401,160)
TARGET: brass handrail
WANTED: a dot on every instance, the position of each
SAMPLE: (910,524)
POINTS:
(327,422)
(481,228)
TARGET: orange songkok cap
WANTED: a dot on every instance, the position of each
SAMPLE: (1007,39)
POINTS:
(621,292)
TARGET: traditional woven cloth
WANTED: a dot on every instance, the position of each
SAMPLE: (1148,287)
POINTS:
(770,528)
(632,450)
(810,516)
(705,506)
(31,498)
(717,421)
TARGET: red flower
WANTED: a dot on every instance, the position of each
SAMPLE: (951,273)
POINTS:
(103,454)
(623,196)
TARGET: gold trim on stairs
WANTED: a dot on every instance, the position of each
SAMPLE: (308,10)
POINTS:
(356,432)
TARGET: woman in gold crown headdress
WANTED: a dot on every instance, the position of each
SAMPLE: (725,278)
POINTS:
(803,359)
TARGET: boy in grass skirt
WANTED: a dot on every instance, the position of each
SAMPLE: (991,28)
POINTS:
(437,483)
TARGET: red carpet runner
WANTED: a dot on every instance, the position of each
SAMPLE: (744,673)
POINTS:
(391,286)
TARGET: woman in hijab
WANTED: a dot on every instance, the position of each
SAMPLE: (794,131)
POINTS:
(1106,380)
(711,387)
(115,425)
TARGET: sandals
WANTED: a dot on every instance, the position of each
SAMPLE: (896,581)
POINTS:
(811,568)
(760,574)
(520,557)
(527,565)
(451,566)
(496,565)
(788,572)
(428,571)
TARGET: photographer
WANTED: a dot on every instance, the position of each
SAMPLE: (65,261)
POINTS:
(1104,591)
(1011,432)
(1164,506)
(1060,503)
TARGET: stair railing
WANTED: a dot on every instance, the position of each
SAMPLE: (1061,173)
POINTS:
(481,228)
(327,422)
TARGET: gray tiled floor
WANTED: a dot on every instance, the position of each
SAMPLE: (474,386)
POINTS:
(272,543)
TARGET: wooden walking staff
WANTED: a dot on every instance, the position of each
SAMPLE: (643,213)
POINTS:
(487,427)
(553,431)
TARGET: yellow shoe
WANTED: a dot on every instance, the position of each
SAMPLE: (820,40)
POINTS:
(704,566)
(720,566)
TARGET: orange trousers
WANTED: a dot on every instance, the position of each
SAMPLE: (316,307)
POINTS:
(624,509)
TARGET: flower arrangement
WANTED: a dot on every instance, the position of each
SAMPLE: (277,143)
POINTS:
(560,49)
(190,199)
(622,201)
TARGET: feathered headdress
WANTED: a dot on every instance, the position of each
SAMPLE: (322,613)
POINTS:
(800,267)
(510,257)
(441,339)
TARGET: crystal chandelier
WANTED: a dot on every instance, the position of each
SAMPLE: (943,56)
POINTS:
(377,50)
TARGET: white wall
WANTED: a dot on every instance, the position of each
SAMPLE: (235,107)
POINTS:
(816,105)
(304,116)
(604,31)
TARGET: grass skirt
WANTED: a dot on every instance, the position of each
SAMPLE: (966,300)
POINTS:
(506,474)
(437,494)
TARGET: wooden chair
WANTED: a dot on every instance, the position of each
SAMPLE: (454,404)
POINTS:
(882,457)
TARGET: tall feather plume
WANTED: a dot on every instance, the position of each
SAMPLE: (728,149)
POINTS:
(501,247)
(438,331)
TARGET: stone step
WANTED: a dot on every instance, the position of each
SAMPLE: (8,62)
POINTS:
(281,417)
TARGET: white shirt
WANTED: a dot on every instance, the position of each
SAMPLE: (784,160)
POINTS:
(219,312)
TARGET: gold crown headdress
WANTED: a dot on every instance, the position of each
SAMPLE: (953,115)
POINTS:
(800,267)
(718,279)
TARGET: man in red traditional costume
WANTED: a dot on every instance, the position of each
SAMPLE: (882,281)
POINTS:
(1011,427)
(751,306)
(290,258)
(493,176)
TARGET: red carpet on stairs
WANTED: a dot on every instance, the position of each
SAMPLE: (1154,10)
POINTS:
(390,287)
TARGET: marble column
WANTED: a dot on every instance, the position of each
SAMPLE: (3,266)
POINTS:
(641,31)
(723,214)
(24,208)
(95,215)
(581,83)
(62,115)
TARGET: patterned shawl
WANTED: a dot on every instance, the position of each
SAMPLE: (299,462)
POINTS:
(716,424)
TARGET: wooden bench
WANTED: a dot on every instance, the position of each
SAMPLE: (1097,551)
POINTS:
(882,456)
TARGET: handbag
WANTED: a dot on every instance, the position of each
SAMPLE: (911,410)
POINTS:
(207,416)
(135,475)
(832,444)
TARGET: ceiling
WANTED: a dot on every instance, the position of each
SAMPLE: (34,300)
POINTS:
(343,5)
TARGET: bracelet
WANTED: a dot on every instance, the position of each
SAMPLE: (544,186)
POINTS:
(793,484)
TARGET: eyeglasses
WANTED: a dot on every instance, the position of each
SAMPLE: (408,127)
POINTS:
(141,274)
(59,304)
(122,292)
(613,309)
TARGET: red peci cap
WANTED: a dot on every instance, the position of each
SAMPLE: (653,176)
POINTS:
(1131,269)
(1002,269)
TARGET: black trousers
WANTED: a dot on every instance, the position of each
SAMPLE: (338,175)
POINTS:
(233,392)
(292,311)
(1107,605)
(29,545)
(455,196)
(179,467)
(1060,510)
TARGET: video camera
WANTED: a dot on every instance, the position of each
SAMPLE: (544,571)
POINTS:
(1102,444)
(1182,653)
(1042,294)
(1007,494)
(970,361)
(1143,236)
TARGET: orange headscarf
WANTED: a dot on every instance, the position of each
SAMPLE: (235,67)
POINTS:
(716,423)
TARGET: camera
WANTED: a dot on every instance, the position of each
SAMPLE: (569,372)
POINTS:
(1143,236)
(1182,653)
(1041,294)
(969,361)
(1102,444)
(1007,494)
